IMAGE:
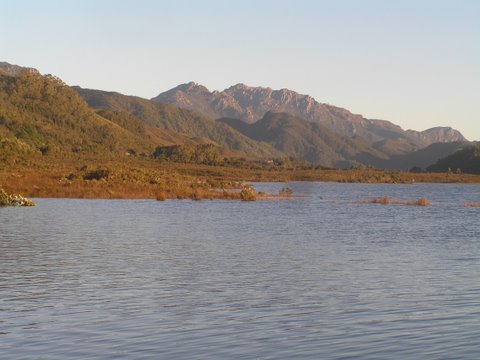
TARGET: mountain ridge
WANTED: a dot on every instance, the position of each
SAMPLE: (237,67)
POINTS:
(251,103)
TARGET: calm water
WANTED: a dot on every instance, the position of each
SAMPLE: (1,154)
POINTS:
(322,277)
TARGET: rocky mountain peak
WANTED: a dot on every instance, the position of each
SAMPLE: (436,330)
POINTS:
(192,87)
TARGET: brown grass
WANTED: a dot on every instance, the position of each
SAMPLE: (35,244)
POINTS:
(71,177)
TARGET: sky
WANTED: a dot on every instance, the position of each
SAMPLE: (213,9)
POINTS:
(413,62)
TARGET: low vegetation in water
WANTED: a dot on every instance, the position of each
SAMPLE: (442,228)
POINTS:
(14,200)
(384,200)
(473,204)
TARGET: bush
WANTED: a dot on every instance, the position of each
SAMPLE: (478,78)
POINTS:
(248,193)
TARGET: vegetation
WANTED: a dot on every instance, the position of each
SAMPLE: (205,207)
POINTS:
(14,200)
(207,154)
(40,114)
(248,193)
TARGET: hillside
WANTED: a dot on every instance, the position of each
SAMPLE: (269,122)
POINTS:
(179,121)
(466,160)
(419,159)
(41,114)
(305,140)
(250,104)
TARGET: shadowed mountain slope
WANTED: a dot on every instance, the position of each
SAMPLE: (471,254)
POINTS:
(305,140)
(419,159)
(466,160)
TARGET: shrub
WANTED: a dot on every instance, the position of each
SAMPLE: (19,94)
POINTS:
(98,174)
(14,200)
(248,193)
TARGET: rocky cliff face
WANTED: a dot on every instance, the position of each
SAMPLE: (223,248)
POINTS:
(251,103)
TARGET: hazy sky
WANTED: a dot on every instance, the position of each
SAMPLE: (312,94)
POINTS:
(415,63)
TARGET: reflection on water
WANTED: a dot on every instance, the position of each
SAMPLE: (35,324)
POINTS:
(321,277)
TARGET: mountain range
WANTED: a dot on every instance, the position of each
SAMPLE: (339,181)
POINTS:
(249,104)
(41,113)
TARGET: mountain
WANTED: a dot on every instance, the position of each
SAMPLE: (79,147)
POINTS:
(466,160)
(178,121)
(305,140)
(249,104)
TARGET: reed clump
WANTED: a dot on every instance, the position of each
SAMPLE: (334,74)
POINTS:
(384,200)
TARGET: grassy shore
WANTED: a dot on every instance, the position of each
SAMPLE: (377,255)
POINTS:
(144,178)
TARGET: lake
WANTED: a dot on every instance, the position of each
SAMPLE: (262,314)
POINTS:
(323,276)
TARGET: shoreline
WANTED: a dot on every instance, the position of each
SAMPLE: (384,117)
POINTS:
(100,178)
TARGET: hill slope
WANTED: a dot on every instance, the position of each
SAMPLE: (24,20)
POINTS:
(251,103)
(305,140)
(42,114)
(179,121)
(466,160)
(419,159)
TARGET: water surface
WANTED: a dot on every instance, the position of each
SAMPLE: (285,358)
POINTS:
(318,277)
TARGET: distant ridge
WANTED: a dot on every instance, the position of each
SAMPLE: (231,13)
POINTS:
(15,70)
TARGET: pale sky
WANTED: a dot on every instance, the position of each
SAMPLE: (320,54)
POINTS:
(413,62)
